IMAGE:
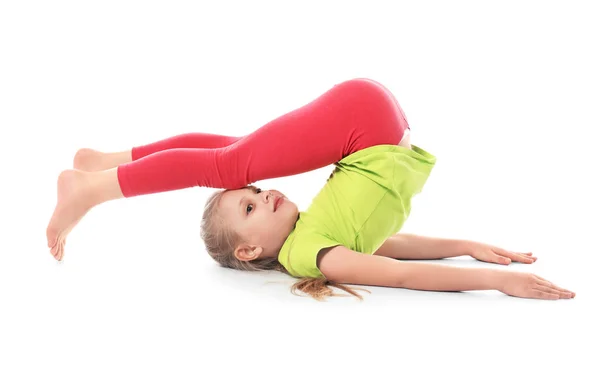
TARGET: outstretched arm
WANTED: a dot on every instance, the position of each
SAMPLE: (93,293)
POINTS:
(343,265)
(414,247)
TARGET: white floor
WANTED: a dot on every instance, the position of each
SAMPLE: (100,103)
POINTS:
(506,98)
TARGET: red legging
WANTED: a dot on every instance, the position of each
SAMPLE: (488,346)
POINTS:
(352,115)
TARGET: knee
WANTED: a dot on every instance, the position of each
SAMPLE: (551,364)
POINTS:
(362,84)
(367,91)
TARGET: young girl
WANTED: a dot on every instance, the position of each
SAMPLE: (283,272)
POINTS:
(349,232)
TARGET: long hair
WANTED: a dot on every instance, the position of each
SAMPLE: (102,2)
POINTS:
(221,240)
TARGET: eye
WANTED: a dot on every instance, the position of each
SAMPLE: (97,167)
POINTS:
(258,190)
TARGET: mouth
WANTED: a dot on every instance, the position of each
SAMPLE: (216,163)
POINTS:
(278,203)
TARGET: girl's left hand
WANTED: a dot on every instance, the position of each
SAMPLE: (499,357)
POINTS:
(492,254)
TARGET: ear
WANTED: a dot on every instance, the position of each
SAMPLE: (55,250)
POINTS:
(247,252)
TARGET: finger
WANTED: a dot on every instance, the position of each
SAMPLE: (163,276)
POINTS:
(550,290)
(566,295)
(524,259)
(514,256)
(513,252)
(498,259)
(522,253)
(545,288)
(535,293)
(547,283)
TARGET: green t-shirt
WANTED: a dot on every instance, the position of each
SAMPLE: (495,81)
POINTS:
(366,199)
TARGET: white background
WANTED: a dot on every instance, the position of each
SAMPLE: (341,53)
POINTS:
(505,95)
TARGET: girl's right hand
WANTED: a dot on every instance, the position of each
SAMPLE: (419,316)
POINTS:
(528,285)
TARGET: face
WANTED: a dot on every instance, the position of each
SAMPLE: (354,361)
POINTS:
(250,212)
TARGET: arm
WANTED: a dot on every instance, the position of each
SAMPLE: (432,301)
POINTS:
(344,265)
(409,246)
(415,247)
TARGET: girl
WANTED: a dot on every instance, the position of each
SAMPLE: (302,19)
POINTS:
(347,235)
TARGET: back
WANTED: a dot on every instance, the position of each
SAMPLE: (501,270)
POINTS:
(366,200)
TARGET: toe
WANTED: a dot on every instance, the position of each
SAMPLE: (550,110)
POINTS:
(51,236)
(55,250)
(61,253)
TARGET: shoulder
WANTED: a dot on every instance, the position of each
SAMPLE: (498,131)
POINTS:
(299,252)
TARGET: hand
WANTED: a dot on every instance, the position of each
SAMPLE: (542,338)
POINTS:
(529,285)
(492,254)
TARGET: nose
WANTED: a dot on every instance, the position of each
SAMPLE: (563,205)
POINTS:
(271,198)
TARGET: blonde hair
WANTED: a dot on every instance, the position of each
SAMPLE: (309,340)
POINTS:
(220,241)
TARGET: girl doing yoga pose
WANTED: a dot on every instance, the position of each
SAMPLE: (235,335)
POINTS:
(348,235)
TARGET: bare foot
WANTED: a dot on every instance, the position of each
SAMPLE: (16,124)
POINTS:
(88,160)
(73,202)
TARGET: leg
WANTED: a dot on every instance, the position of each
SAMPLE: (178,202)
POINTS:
(91,160)
(352,115)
